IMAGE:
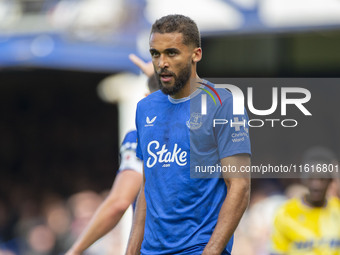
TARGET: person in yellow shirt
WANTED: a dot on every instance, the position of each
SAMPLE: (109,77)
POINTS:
(309,225)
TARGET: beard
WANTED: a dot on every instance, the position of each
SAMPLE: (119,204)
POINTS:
(179,81)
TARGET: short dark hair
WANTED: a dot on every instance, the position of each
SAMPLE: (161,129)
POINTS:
(181,24)
(153,83)
(318,155)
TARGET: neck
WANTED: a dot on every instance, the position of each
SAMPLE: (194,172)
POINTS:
(189,88)
(314,203)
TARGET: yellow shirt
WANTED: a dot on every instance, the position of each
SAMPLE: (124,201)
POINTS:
(301,229)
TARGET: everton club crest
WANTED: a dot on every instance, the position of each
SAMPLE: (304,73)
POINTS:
(195,121)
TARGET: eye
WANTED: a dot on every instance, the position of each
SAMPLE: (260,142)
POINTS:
(172,53)
(154,54)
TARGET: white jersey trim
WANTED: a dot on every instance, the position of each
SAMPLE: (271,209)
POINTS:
(181,100)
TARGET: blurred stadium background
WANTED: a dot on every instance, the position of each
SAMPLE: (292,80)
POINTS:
(68,90)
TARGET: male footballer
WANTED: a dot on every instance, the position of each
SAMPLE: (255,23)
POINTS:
(176,213)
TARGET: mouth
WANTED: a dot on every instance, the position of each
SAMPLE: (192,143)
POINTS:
(316,194)
(166,77)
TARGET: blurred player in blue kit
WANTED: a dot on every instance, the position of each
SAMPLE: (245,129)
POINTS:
(177,214)
(126,185)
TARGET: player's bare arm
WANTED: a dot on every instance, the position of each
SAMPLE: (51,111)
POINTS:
(122,194)
(137,232)
(233,206)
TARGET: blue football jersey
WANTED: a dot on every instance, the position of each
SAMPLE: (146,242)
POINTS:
(173,136)
(128,159)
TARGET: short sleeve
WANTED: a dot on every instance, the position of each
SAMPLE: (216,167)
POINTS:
(231,131)
(128,158)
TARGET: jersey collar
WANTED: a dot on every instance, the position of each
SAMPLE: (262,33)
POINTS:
(184,99)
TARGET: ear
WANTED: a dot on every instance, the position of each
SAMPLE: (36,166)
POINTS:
(197,55)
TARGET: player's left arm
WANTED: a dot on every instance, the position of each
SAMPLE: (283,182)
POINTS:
(233,206)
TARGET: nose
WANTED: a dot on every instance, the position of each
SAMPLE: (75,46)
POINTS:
(163,61)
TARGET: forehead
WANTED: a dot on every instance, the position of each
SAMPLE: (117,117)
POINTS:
(160,41)
(317,177)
